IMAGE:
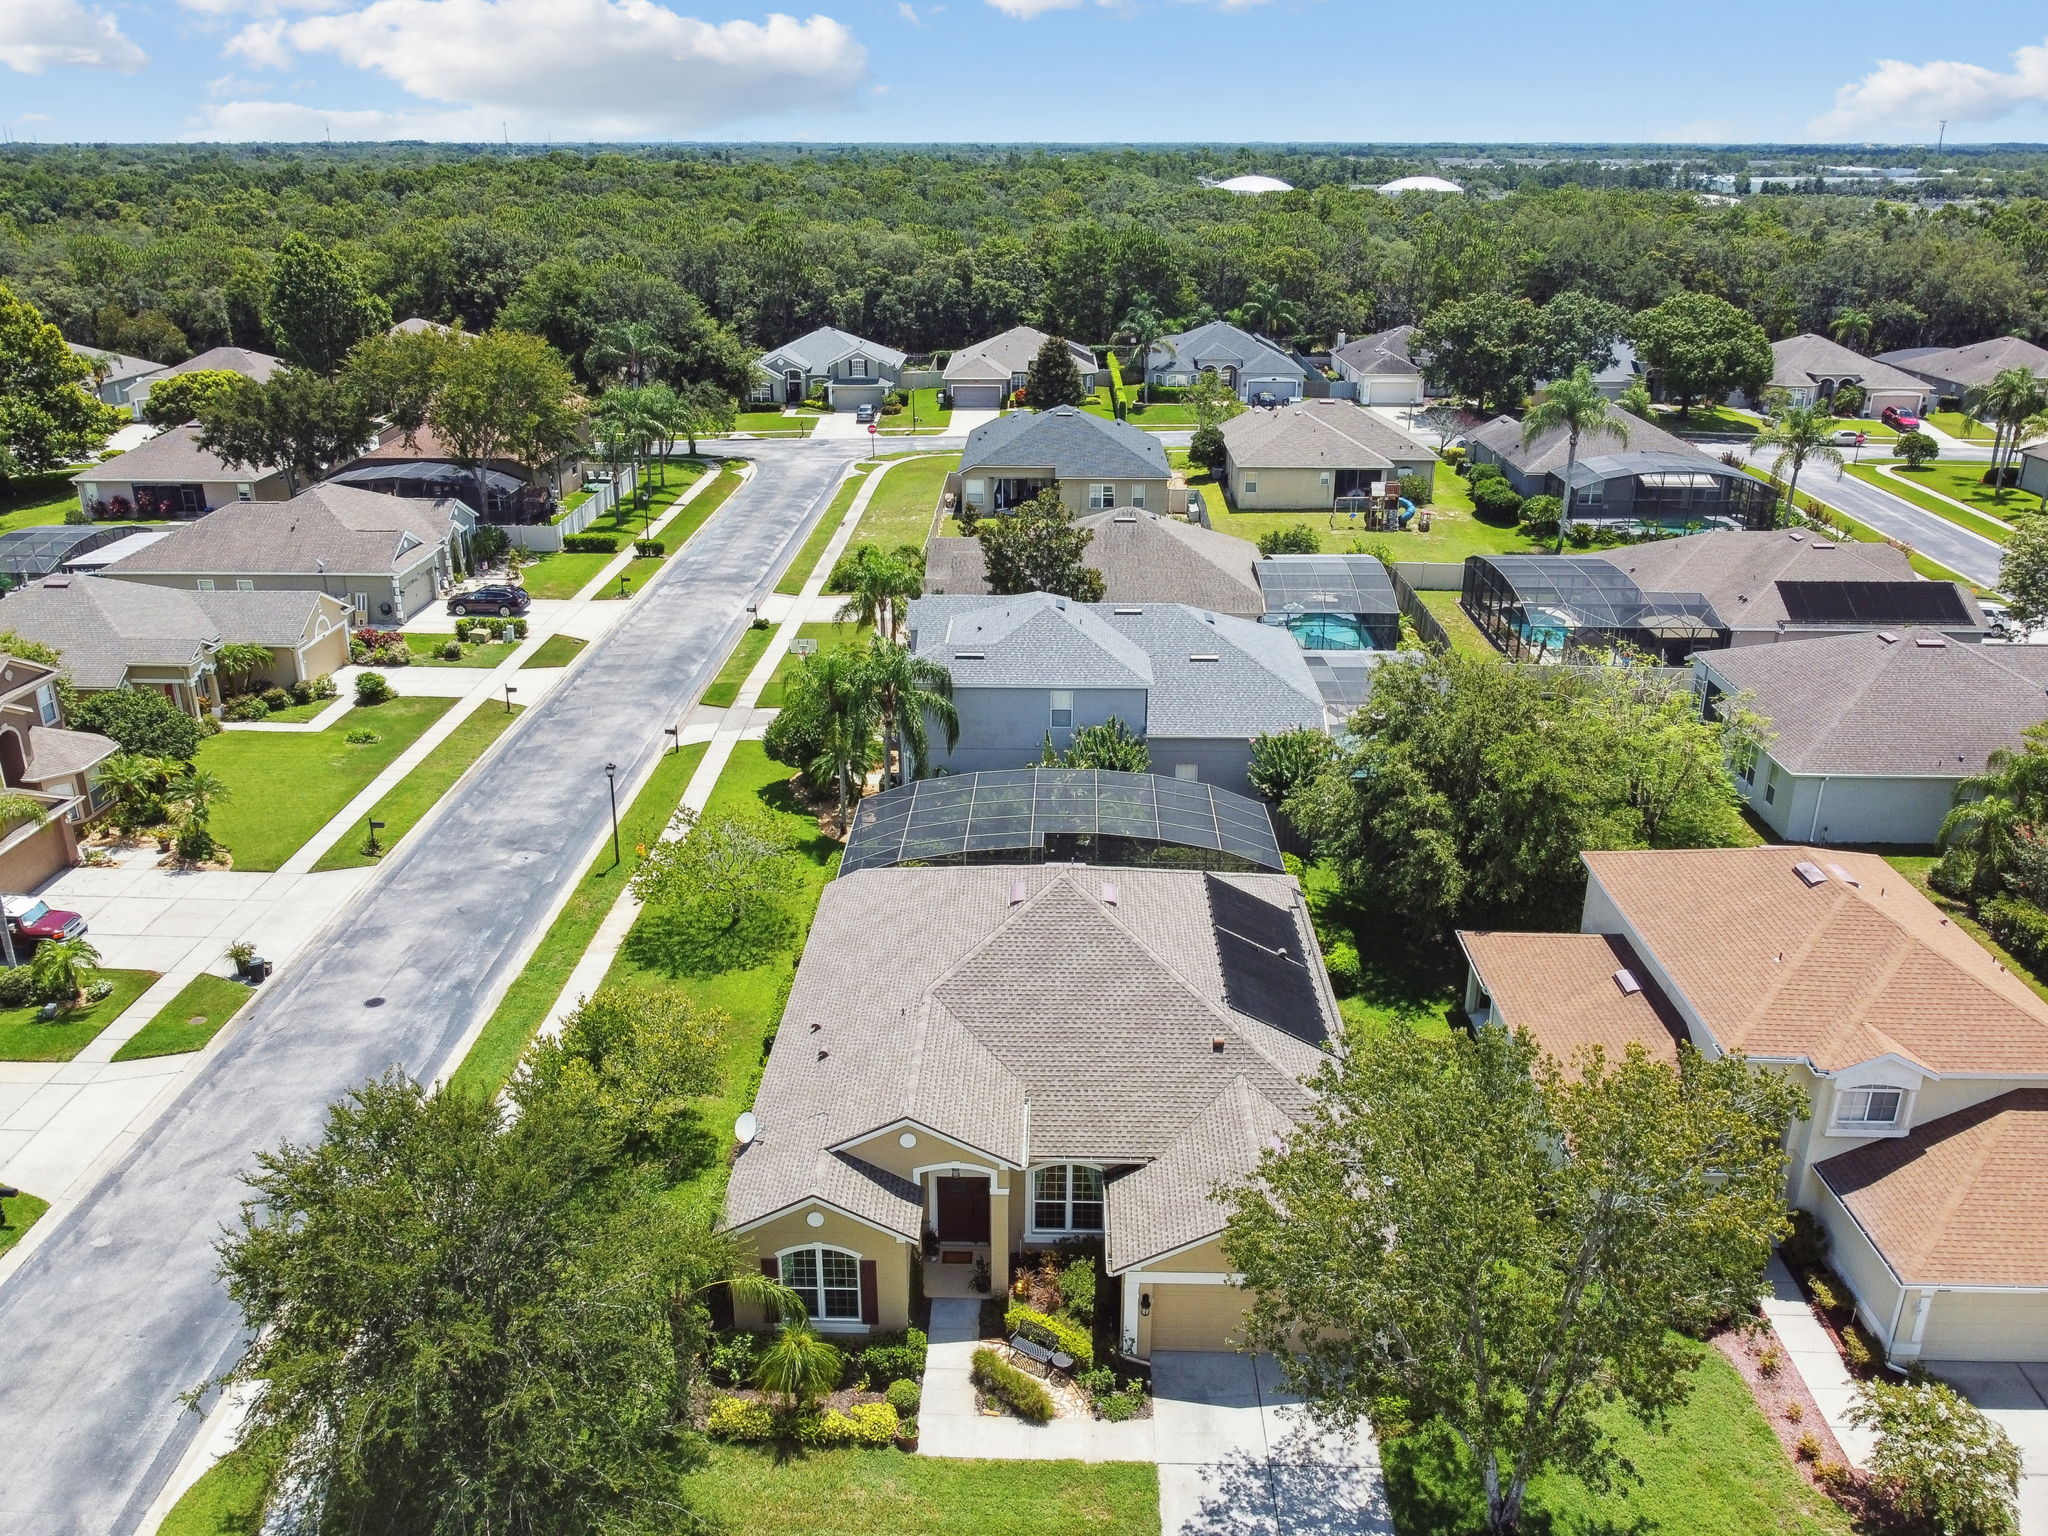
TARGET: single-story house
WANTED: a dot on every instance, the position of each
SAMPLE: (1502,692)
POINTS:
(984,376)
(1924,1061)
(1810,369)
(1869,735)
(387,557)
(417,326)
(55,766)
(853,372)
(2034,470)
(172,476)
(131,634)
(259,366)
(1382,366)
(1314,455)
(1143,557)
(427,468)
(1023,1056)
(1959,372)
(1653,477)
(1259,371)
(115,373)
(1195,685)
(1099,465)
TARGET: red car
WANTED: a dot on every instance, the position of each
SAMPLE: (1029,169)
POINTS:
(34,919)
(1898,420)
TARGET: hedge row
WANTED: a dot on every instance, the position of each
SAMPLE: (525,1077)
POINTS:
(591,543)
(1055,1332)
(1002,1381)
(752,1422)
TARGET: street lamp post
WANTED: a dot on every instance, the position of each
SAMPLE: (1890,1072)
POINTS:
(611,780)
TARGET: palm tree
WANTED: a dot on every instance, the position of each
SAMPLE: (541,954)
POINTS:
(1997,808)
(1575,405)
(1851,327)
(799,1367)
(878,585)
(1143,328)
(196,792)
(837,686)
(628,348)
(623,417)
(137,784)
(2009,399)
(62,969)
(1799,433)
(1266,306)
(911,691)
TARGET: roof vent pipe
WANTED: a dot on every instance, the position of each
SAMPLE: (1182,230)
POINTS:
(1016,892)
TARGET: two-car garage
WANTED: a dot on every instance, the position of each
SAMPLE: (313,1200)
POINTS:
(977,396)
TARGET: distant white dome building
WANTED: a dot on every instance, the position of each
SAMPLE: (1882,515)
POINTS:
(1420,184)
(1250,186)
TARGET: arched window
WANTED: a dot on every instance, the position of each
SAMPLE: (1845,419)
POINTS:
(1066,1197)
(828,1280)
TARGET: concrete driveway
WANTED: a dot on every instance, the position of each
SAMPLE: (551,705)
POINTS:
(2016,1396)
(1237,1455)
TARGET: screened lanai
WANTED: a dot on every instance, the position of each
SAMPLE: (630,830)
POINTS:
(1544,608)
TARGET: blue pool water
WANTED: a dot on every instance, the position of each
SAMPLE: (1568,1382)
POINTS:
(1328,632)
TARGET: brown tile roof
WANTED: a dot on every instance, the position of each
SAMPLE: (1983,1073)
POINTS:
(1958,1201)
(1836,973)
(1562,988)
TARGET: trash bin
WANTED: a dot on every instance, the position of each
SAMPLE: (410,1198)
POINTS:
(259,969)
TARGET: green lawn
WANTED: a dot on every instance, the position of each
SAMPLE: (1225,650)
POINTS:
(905,503)
(1169,417)
(747,1491)
(285,785)
(416,793)
(725,688)
(1455,530)
(296,714)
(555,651)
(24,1036)
(226,1501)
(1909,488)
(1719,419)
(188,1020)
(1398,986)
(562,574)
(534,990)
(22,1212)
(638,572)
(774,421)
(663,483)
(1713,1469)
(35,501)
(1965,482)
(1465,635)
(931,416)
(1956,424)
(426,651)
(830,637)
(806,561)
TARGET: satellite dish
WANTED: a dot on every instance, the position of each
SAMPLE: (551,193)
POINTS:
(746,1128)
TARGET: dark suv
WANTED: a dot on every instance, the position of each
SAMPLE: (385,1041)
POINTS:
(503,601)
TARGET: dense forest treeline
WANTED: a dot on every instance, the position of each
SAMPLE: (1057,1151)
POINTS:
(163,251)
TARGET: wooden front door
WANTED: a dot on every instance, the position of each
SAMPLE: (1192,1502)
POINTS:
(963,1210)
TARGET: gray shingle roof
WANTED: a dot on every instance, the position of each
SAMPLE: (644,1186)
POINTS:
(1005,356)
(1858,704)
(172,457)
(1385,352)
(1170,1203)
(119,364)
(1144,557)
(102,627)
(1548,452)
(1219,342)
(1803,359)
(55,753)
(1258,680)
(1981,361)
(1738,571)
(1318,434)
(1054,1027)
(250,365)
(818,350)
(1070,442)
(327,529)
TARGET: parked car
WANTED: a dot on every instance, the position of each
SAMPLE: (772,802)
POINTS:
(865,414)
(1898,420)
(1847,437)
(33,919)
(504,601)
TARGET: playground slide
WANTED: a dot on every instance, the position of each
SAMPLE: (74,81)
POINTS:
(1407,511)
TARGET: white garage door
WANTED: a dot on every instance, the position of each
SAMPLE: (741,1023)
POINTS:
(977,397)
(1394,391)
(1980,1325)
(1197,1316)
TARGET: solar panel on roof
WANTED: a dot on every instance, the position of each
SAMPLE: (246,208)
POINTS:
(1873,602)
(1239,912)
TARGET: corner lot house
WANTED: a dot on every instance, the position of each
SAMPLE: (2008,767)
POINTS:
(1870,734)
(852,372)
(1314,455)
(387,557)
(1259,372)
(1958,372)
(1143,558)
(52,765)
(172,476)
(1810,368)
(1024,1055)
(1654,478)
(1098,465)
(1382,366)
(984,376)
(1925,1062)
(1197,686)
(131,634)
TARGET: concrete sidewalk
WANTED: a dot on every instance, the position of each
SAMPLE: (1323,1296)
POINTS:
(1811,1353)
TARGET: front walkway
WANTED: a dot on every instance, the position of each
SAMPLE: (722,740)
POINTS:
(1235,1452)
(1813,1355)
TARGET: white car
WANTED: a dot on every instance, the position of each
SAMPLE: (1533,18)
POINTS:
(1847,437)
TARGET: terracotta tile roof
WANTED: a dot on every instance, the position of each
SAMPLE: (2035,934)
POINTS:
(1836,973)
(1563,989)
(1958,1201)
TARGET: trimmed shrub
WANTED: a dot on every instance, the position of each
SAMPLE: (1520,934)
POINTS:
(17,990)
(1807,1447)
(324,686)
(905,1397)
(1496,500)
(519,628)
(362,738)
(591,544)
(2020,926)
(1540,514)
(373,688)
(1297,539)
(1206,448)
(1056,1332)
(1824,1297)
(732,1357)
(277,698)
(890,1357)
(1077,1290)
(1346,970)
(1009,1386)
(862,1424)
(246,706)
(1807,1245)
(1856,1351)
(740,1419)
(652,549)
(1418,488)
(451,651)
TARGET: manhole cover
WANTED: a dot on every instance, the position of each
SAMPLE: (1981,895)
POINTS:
(375,1002)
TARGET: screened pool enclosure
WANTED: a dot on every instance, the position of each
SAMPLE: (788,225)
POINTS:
(1578,607)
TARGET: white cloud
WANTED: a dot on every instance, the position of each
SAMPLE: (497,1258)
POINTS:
(1024,10)
(33,117)
(909,13)
(601,69)
(258,7)
(36,35)
(1897,97)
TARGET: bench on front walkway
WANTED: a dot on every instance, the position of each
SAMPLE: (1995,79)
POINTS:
(1039,1359)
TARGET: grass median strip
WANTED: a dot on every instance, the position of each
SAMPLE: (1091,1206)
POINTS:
(1906,490)
(902,508)
(416,793)
(555,651)
(189,1020)
(807,558)
(725,688)
(25,1035)
(526,1002)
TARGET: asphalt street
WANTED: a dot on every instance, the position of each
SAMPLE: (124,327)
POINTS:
(119,1311)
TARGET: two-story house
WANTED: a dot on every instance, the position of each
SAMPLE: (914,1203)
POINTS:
(850,370)
(1923,1059)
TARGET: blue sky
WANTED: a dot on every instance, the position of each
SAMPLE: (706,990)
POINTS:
(1236,71)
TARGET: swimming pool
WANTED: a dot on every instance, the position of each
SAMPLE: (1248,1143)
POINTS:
(1328,632)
